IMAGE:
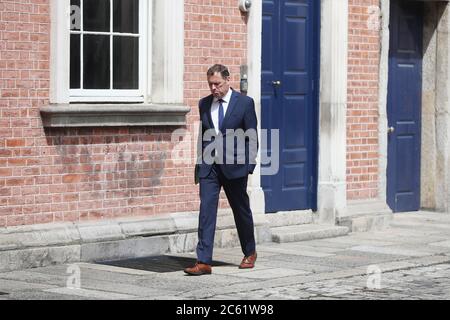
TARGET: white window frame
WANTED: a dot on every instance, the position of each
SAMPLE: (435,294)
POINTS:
(162,70)
(117,95)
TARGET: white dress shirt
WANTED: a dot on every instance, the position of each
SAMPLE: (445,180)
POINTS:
(215,109)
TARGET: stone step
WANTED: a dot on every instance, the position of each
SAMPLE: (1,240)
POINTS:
(366,215)
(283,219)
(306,232)
(366,222)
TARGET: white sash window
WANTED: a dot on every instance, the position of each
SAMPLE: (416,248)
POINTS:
(117,51)
(107,50)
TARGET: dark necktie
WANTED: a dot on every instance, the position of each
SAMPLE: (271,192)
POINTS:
(221,114)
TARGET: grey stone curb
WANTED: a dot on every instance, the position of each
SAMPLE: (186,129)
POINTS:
(80,233)
(42,245)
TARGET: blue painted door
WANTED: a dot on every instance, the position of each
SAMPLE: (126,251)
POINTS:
(404,106)
(290,56)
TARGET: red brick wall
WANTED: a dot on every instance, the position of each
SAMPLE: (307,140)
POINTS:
(84,174)
(362,114)
(24,87)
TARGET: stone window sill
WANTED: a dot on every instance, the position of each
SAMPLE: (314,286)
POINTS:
(113,115)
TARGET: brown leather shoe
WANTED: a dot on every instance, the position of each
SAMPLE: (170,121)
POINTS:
(248,262)
(199,269)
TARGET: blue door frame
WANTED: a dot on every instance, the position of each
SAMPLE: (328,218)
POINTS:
(404,105)
(289,101)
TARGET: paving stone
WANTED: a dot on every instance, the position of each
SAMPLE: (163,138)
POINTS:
(94,294)
(9,286)
(233,270)
(43,295)
(445,243)
(294,251)
(271,273)
(398,251)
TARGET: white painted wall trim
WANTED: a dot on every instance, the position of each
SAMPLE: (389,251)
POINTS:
(428,148)
(254,54)
(443,111)
(168,52)
(332,197)
(382,100)
(59,51)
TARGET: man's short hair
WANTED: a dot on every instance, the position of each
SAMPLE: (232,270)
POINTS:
(218,68)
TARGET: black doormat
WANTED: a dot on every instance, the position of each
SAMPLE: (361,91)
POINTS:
(159,264)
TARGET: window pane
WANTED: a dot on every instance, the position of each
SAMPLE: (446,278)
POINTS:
(96,15)
(75,15)
(75,61)
(126,16)
(126,63)
(96,62)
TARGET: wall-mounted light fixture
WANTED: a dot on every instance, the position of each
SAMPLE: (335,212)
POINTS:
(245,5)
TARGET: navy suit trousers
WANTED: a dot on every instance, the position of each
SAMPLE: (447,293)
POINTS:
(236,192)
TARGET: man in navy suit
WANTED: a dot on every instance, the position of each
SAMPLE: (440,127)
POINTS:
(229,146)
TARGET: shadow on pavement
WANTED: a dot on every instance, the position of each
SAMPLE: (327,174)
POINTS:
(160,264)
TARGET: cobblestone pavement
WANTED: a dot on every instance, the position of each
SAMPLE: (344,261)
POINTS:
(408,260)
(432,282)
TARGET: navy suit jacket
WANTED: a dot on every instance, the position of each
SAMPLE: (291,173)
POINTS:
(241,160)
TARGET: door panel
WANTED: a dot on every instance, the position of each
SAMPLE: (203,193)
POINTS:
(289,49)
(269,71)
(404,106)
